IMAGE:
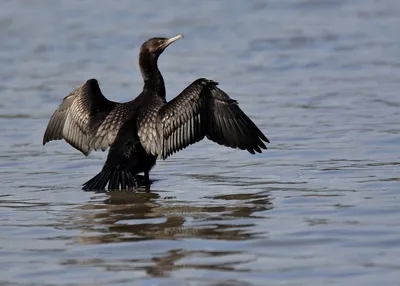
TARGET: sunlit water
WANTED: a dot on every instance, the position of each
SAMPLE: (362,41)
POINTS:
(320,207)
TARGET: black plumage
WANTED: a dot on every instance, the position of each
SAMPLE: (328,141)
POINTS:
(148,127)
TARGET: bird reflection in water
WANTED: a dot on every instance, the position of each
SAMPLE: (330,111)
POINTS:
(172,261)
(133,217)
(128,216)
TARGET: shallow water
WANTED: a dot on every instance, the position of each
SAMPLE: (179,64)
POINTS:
(320,207)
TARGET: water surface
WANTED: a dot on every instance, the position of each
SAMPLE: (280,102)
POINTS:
(320,207)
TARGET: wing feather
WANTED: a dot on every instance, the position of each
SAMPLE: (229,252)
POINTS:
(86,119)
(202,109)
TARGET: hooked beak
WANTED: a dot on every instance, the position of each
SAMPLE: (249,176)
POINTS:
(170,41)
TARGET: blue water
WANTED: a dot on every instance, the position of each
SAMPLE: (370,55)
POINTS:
(320,207)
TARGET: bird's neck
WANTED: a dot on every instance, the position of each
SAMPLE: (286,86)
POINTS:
(153,80)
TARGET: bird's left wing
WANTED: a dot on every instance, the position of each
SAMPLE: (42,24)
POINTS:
(202,109)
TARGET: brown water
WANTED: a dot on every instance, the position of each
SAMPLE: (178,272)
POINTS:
(320,207)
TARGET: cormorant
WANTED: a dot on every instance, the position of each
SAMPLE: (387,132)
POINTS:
(148,127)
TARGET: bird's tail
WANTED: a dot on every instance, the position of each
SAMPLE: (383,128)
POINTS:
(116,177)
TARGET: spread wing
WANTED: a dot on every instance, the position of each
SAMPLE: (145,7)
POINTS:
(86,119)
(204,110)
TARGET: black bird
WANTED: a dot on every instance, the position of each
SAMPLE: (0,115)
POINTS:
(148,127)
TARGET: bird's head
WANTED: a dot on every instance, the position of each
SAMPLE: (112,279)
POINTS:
(155,46)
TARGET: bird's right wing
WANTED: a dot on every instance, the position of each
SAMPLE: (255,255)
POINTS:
(202,109)
(86,119)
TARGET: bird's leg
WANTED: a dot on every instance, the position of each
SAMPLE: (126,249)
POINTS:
(143,180)
(146,177)
(147,181)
